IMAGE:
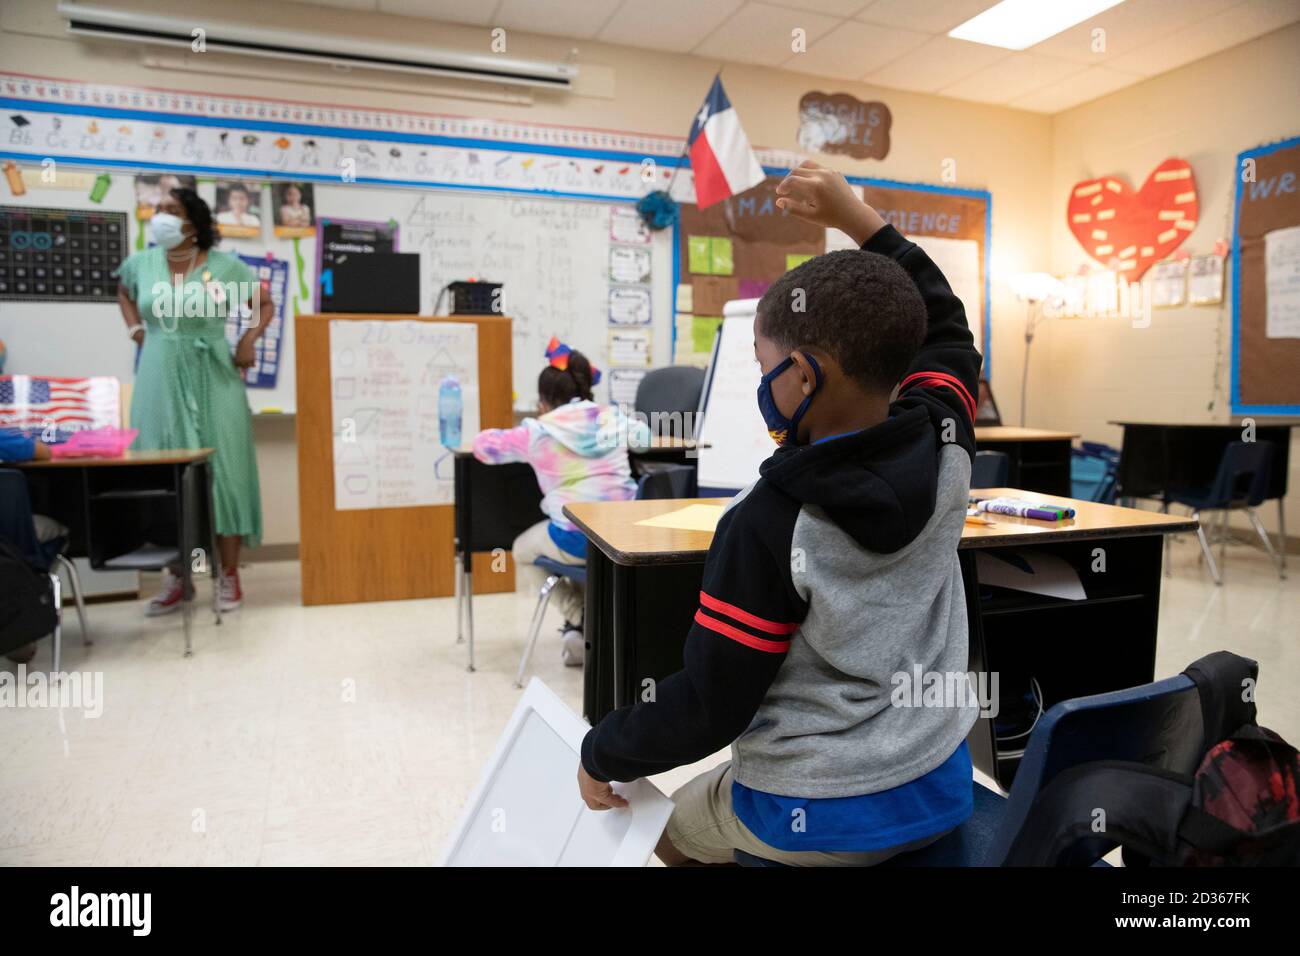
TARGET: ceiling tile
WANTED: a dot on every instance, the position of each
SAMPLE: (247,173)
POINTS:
(1133,25)
(852,50)
(929,16)
(1093,82)
(760,33)
(579,19)
(937,63)
(1018,75)
(366,5)
(448,11)
(834,8)
(678,25)
(1243,22)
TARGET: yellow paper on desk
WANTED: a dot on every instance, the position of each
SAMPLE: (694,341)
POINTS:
(690,518)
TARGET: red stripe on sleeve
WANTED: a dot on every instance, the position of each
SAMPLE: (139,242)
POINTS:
(744,617)
(739,636)
(941,380)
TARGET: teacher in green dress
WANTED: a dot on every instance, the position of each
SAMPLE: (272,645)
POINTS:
(189,392)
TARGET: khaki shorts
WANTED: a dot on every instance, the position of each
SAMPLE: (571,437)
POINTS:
(704,828)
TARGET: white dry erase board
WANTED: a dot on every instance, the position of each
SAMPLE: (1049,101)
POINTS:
(733,439)
(526,811)
(552,256)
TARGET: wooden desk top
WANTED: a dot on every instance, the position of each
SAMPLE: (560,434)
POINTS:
(612,527)
(1015,433)
(656,445)
(1261,421)
(174,456)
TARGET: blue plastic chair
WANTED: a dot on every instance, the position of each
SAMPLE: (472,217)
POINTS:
(1159,724)
(1094,469)
(1240,483)
(990,469)
(666,481)
(18,526)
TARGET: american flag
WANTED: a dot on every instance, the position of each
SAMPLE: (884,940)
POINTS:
(54,408)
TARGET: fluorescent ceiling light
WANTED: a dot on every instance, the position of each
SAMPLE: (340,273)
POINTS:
(1018,24)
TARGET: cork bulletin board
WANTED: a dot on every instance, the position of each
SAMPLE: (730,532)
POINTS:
(737,248)
(1265,336)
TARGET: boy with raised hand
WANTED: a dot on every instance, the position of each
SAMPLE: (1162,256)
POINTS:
(830,579)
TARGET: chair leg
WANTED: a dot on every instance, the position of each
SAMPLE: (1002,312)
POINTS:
(1268,545)
(1281,534)
(75,580)
(1169,568)
(460,600)
(543,599)
(1205,549)
(1223,538)
(57,647)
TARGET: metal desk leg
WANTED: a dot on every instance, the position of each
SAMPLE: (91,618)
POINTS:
(185,515)
(214,550)
(1281,533)
(56,586)
(619,625)
(460,600)
(468,587)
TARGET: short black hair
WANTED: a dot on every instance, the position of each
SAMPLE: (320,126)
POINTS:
(861,307)
(199,215)
(559,386)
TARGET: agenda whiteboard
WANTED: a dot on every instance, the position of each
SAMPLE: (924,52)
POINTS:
(733,438)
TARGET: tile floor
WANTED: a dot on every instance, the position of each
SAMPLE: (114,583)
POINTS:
(352,734)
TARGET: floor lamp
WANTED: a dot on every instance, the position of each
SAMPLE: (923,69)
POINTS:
(1035,289)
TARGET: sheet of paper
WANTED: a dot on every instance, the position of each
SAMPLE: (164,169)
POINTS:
(1031,571)
(1169,284)
(630,346)
(690,518)
(629,264)
(626,225)
(1205,280)
(526,811)
(698,255)
(404,393)
(1282,283)
(629,305)
(623,383)
(959,260)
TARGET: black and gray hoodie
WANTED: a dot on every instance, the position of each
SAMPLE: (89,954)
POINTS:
(832,573)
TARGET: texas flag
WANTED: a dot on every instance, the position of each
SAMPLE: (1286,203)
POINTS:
(723,162)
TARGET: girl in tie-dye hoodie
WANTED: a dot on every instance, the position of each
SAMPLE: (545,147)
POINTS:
(579,451)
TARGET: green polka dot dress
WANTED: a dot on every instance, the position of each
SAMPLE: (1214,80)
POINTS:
(188,393)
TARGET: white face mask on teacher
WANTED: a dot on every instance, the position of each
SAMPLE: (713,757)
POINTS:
(166,230)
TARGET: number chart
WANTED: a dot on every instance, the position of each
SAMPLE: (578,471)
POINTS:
(60,255)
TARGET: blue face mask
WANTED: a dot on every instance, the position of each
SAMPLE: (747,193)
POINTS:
(785,431)
(166,230)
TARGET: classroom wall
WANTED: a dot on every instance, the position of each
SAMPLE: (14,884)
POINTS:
(1007,152)
(1085,372)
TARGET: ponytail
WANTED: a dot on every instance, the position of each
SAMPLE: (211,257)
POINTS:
(559,386)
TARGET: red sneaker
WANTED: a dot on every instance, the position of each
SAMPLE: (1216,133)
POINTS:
(229,595)
(168,599)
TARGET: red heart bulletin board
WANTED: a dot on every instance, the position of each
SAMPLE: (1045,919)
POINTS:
(1131,231)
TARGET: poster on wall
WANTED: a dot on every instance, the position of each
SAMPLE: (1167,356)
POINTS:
(150,190)
(266,369)
(293,204)
(343,237)
(238,209)
(838,123)
(404,394)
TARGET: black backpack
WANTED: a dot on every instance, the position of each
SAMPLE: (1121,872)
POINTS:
(27,610)
(1240,808)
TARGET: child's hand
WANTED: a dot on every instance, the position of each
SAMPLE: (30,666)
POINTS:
(597,795)
(823,196)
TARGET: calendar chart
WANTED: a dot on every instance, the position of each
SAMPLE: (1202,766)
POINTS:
(60,255)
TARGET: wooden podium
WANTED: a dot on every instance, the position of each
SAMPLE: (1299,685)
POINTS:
(383,554)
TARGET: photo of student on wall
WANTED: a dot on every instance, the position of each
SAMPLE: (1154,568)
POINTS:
(293,204)
(239,209)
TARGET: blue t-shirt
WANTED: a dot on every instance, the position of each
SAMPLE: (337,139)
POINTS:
(567,540)
(929,805)
(15,446)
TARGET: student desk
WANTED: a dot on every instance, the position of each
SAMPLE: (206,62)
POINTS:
(140,512)
(1038,460)
(1156,456)
(643,585)
(494,504)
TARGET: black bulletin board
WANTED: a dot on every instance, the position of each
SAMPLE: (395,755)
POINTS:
(60,255)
